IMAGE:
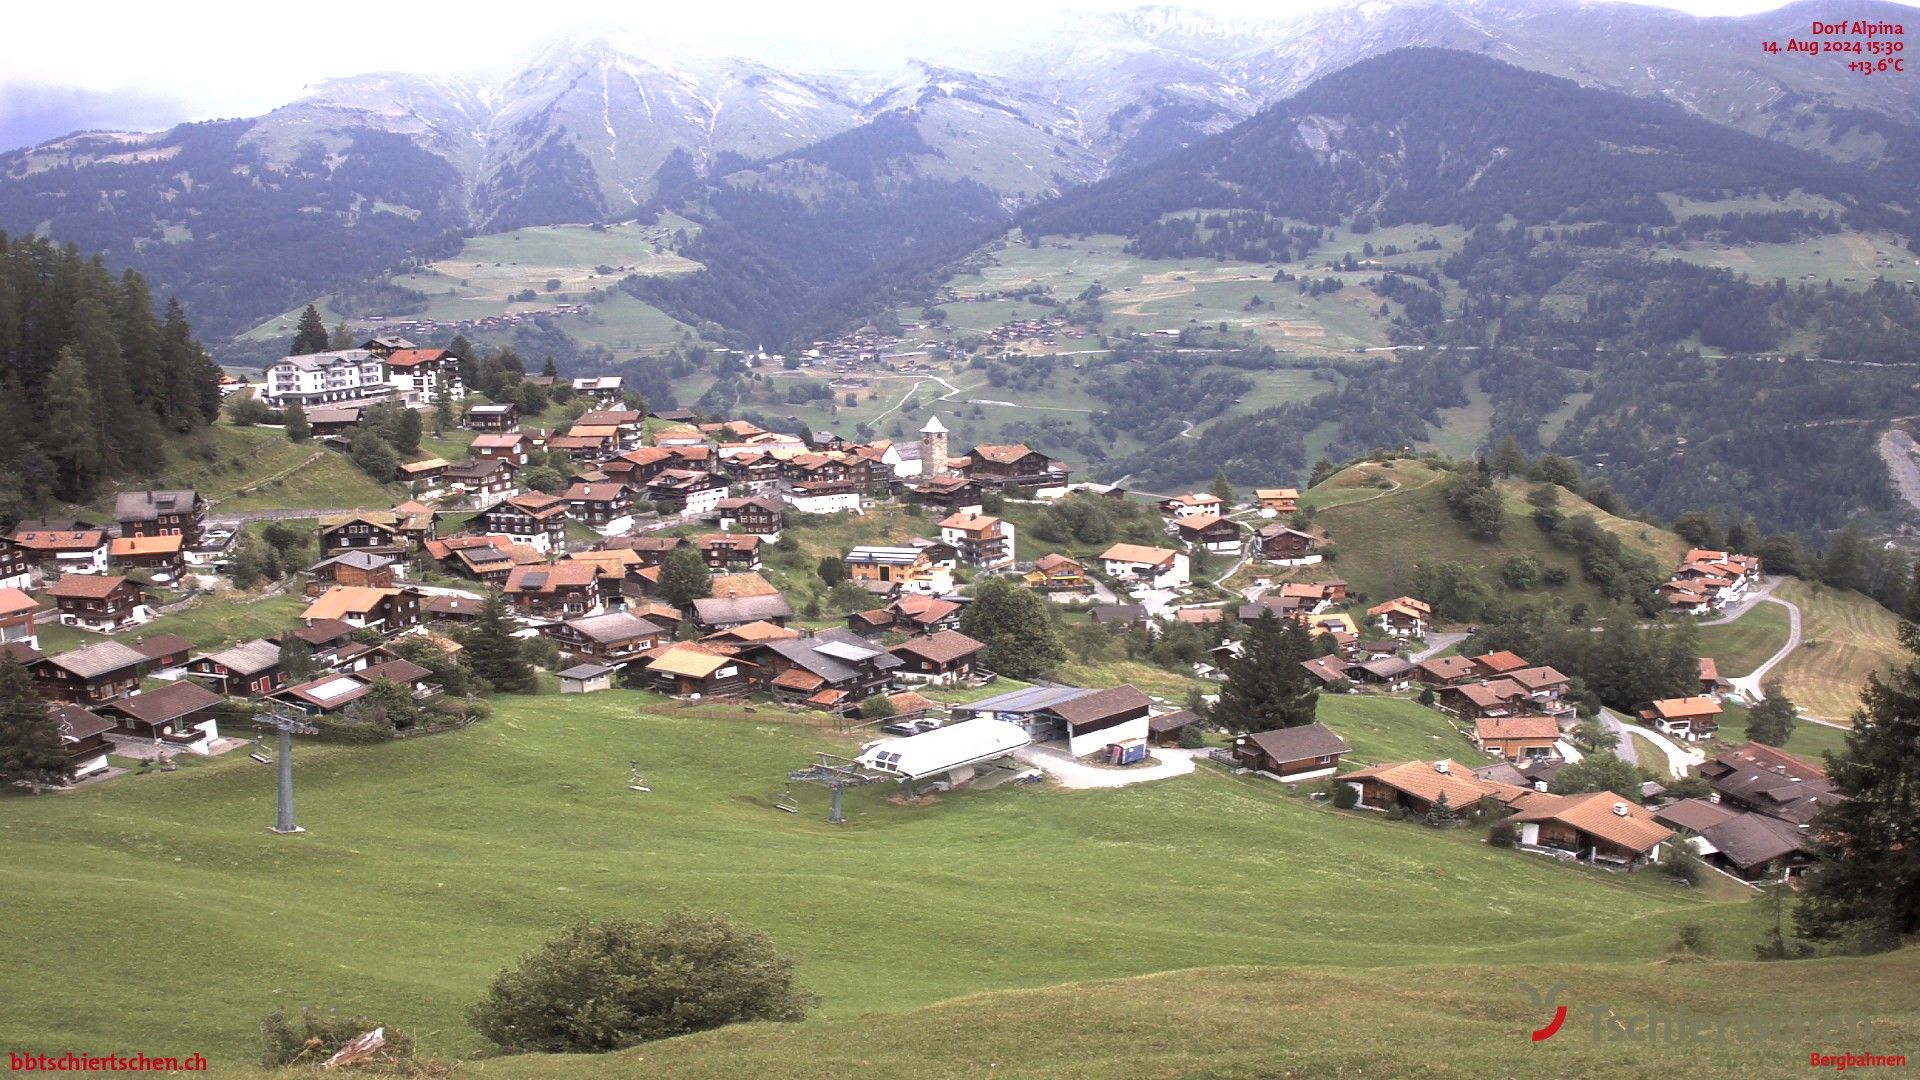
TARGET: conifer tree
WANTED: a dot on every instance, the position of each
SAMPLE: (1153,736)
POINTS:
(684,576)
(30,749)
(298,429)
(1266,687)
(1508,459)
(1867,881)
(1773,719)
(1222,489)
(493,653)
(73,436)
(311,335)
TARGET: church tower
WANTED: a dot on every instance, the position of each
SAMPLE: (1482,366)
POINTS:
(933,449)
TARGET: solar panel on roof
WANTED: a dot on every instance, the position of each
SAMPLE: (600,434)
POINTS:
(535,581)
(841,650)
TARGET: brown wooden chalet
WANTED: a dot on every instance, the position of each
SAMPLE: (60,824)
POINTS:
(1293,754)
(181,513)
(83,738)
(369,531)
(833,669)
(494,418)
(945,658)
(357,568)
(754,516)
(950,493)
(99,602)
(1280,544)
(560,591)
(613,639)
(91,675)
(686,669)
(181,713)
(1209,532)
(994,467)
(163,557)
(536,519)
(387,610)
(729,552)
(598,506)
(481,481)
(249,669)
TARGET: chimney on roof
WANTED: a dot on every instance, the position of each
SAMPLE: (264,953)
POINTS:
(1620,809)
(1441,767)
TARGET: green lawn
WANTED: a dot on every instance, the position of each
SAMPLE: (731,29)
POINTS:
(1385,729)
(432,863)
(1809,740)
(235,469)
(1742,645)
(1427,1021)
(212,624)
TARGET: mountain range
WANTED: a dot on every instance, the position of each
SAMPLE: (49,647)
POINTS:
(244,218)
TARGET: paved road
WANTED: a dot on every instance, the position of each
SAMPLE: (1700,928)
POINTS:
(1061,767)
(1437,643)
(236,517)
(1679,759)
(1749,684)
(1745,604)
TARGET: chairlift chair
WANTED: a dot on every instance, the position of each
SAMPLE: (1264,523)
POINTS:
(636,782)
(786,802)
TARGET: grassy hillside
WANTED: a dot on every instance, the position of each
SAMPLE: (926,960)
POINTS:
(1810,740)
(431,863)
(249,468)
(1386,518)
(1252,1021)
(1747,642)
(490,274)
(1844,638)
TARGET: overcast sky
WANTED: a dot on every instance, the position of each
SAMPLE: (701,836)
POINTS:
(116,63)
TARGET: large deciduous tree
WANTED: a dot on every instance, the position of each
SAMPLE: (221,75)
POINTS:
(1012,622)
(684,576)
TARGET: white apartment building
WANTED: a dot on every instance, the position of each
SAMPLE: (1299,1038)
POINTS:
(319,378)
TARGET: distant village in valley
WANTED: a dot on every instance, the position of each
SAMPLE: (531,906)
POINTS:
(656,567)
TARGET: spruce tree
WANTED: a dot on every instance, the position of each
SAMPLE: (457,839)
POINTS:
(1773,719)
(1222,489)
(493,653)
(684,576)
(1508,459)
(298,429)
(1266,687)
(30,749)
(310,336)
(1867,881)
(73,437)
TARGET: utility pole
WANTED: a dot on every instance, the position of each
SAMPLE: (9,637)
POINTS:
(287,727)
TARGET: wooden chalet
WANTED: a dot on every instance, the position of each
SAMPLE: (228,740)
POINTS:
(1414,786)
(1691,718)
(1517,737)
(606,507)
(535,519)
(1403,616)
(512,448)
(180,714)
(162,557)
(1285,546)
(693,669)
(945,658)
(481,481)
(1486,699)
(1598,827)
(1057,573)
(1278,500)
(92,675)
(729,553)
(1445,670)
(614,639)
(377,532)
(1292,755)
(493,418)
(101,603)
(996,467)
(832,670)
(181,513)
(77,549)
(954,494)
(18,614)
(83,738)
(360,569)
(249,669)
(563,590)
(754,516)
(1209,532)
(387,610)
